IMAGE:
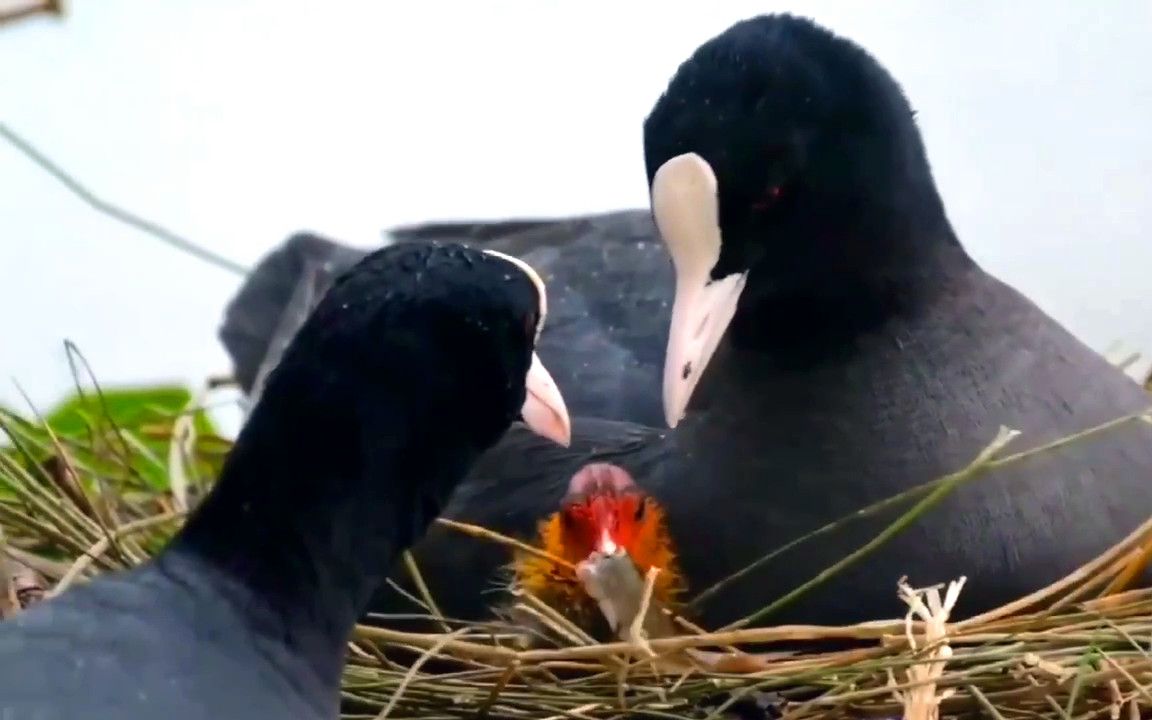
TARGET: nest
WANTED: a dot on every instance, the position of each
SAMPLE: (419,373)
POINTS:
(103,488)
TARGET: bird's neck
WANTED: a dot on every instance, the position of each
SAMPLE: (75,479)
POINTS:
(312,507)
(795,346)
(820,310)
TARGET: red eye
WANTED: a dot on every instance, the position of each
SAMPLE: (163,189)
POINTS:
(530,327)
(771,195)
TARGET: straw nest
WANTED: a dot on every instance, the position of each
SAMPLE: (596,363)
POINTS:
(102,488)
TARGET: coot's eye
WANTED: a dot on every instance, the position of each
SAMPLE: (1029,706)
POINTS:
(530,326)
(771,195)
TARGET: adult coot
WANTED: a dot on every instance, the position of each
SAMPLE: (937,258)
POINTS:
(832,345)
(415,361)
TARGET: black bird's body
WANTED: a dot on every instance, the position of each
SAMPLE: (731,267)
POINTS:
(824,440)
(415,362)
(610,292)
(121,648)
(868,354)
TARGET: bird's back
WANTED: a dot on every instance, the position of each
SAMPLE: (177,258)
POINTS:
(609,283)
(144,645)
(917,399)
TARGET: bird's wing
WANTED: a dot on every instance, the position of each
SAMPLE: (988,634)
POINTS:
(274,300)
(609,290)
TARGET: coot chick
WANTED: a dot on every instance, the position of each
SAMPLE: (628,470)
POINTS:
(415,362)
(610,286)
(832,345)
(603,513)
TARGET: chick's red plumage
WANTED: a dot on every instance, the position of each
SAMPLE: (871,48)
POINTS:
(603,511)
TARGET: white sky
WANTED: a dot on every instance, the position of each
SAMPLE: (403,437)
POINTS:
(236,123)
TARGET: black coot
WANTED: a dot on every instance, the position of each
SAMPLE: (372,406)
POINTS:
(832,344)
(415,362)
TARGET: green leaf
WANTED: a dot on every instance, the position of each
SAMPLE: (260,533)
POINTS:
(122,434)
(128,407)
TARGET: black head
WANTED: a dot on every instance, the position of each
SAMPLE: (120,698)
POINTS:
(798,179)
(819,164)
(442,332)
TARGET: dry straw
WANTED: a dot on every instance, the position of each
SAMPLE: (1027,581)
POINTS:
(1077,649)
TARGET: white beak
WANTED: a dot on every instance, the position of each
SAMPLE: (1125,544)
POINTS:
(544,411)
(686,211)
(701,312)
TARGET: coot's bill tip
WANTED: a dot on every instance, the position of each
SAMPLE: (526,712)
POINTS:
(686,211)
(544,411)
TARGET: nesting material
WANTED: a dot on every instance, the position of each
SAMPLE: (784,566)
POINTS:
(72,507)
(920,698)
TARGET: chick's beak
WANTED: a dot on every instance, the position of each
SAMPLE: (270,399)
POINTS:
(606,545)
(544,411)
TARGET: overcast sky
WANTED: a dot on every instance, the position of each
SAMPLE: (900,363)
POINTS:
(236,123)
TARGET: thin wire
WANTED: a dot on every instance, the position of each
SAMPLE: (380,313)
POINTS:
(128,218)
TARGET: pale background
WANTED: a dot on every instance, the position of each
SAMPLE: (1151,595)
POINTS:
(238,122)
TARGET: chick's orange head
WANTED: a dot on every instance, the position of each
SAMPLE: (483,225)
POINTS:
(603,511)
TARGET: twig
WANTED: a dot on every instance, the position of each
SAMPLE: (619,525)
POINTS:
(115,212)
(422,588)
(483,533)
(58,447)
(909,495)
(45,7)
(1074,578)
(497,688)
(49,568)
(941,491)
(407,595)
(101,546)
(1131,571)
(415,669)
(552,618)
